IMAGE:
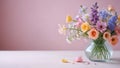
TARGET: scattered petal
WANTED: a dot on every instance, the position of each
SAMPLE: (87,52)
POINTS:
(78,59)
(65,61)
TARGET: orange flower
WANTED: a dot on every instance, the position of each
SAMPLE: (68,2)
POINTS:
(113,40)
(93,34)
(106,35)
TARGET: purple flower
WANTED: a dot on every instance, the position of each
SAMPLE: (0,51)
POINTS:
(101,26)
(94,14)
(112,23)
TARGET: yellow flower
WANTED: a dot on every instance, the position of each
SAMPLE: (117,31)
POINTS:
(113,40)
(68,19)
(119,18)
(93,34)
(85,27)
(106,35)
(62,29)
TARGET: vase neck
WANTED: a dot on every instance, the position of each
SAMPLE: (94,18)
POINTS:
(99,41)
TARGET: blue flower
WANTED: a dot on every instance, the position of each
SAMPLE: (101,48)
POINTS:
(104,14)
(113,19)
(112,23)
(111,26)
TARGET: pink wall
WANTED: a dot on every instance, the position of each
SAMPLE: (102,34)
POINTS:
(33,24)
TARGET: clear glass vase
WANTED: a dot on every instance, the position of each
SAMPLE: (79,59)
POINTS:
(99,51)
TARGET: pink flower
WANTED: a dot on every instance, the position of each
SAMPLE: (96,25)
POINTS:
(101,26)
(117,29)
(78,24)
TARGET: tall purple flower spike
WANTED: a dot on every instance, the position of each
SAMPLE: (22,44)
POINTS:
(94,14)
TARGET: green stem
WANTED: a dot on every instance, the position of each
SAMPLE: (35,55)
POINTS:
(100,50)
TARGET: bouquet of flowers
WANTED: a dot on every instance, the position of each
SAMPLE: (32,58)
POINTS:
(98,25)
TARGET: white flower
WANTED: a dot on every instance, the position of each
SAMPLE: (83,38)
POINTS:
(62,29)
(85,17)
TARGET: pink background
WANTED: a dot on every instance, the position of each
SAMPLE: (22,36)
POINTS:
(33,24)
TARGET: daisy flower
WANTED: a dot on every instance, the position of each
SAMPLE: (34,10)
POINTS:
(101,26)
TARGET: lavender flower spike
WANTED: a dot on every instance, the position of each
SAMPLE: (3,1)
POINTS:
(94,14)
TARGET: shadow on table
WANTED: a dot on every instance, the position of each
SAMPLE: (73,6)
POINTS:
(114,61)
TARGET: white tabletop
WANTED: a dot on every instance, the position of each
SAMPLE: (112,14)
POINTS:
(51,59)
